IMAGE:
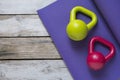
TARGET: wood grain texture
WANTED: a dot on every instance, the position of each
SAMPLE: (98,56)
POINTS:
(21,25)
(23,6)
(34,70)
(28,48)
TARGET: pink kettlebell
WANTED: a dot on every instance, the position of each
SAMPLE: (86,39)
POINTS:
(97,60)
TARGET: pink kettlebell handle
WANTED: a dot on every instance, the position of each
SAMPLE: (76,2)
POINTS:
(106,43)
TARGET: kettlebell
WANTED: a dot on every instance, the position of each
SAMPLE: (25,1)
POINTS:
(77,29)
(97,60)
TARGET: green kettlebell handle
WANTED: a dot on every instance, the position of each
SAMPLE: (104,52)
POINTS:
(85,11)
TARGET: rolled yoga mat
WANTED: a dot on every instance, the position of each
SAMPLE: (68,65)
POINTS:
(110,10)
(55,18)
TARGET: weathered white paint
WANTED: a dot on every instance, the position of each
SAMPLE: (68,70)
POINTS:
(22,25)
(23,6)
(34,70)
(27,48)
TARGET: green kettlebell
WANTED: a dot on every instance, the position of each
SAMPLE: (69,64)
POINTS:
(77,29)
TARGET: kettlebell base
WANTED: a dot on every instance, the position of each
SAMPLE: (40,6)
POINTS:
(96,60)
(77,30)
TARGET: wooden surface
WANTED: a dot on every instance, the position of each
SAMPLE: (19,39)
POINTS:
(33,70)
(21,25)
(22,6)
(26,50)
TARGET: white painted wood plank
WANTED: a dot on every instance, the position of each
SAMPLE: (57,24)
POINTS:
(34,70)
(28,48)
(21,25)
(23,6)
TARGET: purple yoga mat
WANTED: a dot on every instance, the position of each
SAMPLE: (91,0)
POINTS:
(110,9)
(55,17)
